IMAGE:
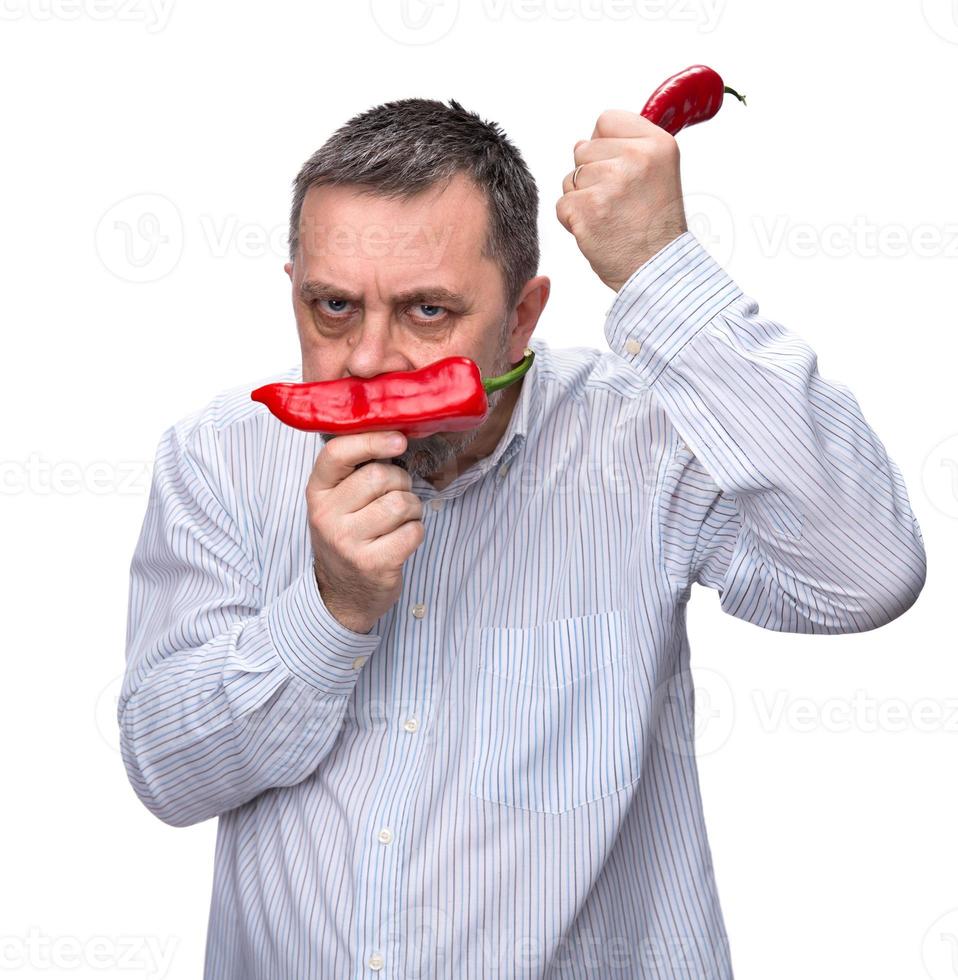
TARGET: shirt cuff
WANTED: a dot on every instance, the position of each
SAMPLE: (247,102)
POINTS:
(665,303)
(312,643)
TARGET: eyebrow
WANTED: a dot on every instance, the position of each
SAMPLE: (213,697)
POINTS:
(315,289)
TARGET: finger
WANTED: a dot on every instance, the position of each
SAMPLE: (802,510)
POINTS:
(384,515)
(344,454)
(567,207)
(583,179)
(394,548)
(592,151)
(368,483)
(622,123)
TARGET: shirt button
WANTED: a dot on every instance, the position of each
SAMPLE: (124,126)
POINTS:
(375,961)
(435,503)
(419,610)
(503,470)
(411,724)
(385,836)
(633,346)
(358,662)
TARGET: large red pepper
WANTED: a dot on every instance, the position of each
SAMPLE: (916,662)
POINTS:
(688,97)
(446,396)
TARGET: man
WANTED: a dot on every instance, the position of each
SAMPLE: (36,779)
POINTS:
(437,691)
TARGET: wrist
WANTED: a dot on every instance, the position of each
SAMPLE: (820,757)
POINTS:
(340,611)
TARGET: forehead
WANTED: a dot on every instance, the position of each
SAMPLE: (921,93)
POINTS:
(442,226)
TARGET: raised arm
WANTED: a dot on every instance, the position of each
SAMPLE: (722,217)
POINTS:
(778,493)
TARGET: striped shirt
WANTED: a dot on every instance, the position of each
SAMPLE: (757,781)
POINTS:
(499,780)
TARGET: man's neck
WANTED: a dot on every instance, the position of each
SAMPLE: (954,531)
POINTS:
(493,430)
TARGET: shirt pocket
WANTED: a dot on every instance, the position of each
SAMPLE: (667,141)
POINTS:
(557,720)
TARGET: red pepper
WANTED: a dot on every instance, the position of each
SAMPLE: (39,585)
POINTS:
(446,396)
(688,97)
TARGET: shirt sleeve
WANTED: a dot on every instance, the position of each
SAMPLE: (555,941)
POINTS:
(223,696)
(775,490)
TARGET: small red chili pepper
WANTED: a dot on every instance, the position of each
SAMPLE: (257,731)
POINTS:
(446,396)
(688,97)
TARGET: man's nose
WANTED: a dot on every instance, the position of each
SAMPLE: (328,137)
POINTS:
(372,349)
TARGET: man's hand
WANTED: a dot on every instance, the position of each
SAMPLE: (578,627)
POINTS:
(627,202)
(364,522)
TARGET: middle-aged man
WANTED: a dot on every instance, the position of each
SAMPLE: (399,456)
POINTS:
(437,690)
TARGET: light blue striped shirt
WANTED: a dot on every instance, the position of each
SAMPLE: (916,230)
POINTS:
(499,780)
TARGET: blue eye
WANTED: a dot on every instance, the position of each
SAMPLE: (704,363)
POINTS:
(427,306)
(334,301)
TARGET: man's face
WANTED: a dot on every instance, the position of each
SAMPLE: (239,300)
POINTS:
(393,285)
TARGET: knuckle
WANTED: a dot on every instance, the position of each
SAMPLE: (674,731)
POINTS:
(395,502)
(375,473)
(606,117)
(666,141)
(638,159)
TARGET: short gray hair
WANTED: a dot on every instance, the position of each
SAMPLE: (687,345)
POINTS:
(400,148)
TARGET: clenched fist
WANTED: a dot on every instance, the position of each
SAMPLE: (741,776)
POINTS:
(364,522)
(627,201)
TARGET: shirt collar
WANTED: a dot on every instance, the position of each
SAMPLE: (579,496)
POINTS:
(523,410)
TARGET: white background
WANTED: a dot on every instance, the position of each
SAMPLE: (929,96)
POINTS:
(827,763)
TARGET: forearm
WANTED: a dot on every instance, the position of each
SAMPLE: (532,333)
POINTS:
(206,729)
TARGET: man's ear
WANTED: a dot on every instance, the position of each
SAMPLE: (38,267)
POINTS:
(532,301)
(288,268)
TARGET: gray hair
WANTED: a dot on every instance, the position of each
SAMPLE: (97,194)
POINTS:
(400,148)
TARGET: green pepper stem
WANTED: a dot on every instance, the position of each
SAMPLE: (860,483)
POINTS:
(731,91)
(504,380)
